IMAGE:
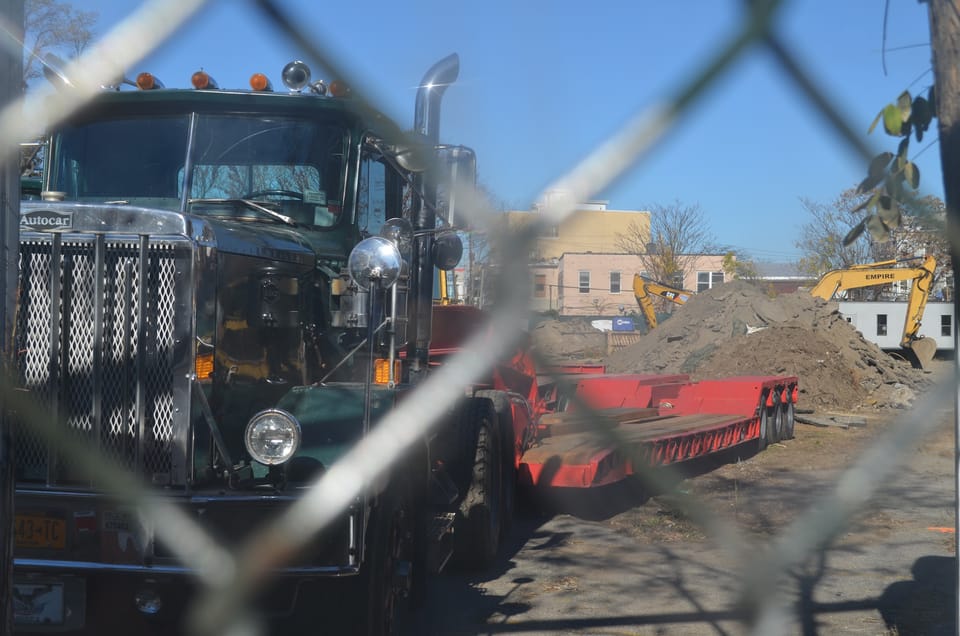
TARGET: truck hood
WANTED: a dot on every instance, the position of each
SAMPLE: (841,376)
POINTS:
(265,239)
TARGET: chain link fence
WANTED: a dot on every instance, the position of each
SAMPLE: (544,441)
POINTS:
(231,577)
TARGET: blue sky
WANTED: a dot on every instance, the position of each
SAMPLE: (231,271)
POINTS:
(542,83)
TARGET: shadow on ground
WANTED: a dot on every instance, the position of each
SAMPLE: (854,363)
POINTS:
(926,603)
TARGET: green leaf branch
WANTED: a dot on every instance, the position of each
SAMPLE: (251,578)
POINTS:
(891,177)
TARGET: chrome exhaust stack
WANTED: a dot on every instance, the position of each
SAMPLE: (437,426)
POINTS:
(426,122)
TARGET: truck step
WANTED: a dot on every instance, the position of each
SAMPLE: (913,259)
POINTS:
(442,525)
(441,540)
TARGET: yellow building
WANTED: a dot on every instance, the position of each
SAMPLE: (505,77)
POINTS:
(579,269)
(591,228)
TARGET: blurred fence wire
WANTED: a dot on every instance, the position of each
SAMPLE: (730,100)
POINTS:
(231,578)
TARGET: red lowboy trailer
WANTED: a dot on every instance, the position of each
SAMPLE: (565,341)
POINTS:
(615,425)
(576,428)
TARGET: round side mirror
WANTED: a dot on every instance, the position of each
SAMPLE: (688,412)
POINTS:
(447,250)
(399,231)
(374,262)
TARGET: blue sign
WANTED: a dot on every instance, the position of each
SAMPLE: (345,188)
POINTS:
(623,324)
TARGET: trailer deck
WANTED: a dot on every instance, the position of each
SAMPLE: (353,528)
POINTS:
(608,454)
(615,425)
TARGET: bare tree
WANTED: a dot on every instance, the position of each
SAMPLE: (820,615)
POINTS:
(53,27)
(678,234)
(920,230)
(945,41)
(50,27)
(480,271)
(821,238)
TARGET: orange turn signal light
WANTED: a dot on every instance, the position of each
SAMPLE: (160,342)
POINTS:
(381,371)
(203,366)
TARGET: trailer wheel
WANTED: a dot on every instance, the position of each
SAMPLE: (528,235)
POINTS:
(477,528)
(774,423)
(764,423)
(789,421)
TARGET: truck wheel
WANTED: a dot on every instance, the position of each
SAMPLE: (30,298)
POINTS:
(508,497)
(789,422)
(477,528)
(385,576)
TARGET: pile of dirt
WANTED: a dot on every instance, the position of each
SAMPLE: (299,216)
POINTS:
(737,329)
(562,341)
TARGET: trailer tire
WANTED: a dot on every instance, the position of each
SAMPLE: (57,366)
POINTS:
(789,420)
(764,423)
(775,423)
(477,527)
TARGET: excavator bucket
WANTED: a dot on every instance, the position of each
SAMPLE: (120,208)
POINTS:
(923,350)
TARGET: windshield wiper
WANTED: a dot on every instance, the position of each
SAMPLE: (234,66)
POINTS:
(252,205)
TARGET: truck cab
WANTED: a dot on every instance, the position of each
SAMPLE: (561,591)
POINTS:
(221,292)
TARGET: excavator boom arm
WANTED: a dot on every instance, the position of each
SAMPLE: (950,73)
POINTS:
(643,300)
(643,287)
(882,273)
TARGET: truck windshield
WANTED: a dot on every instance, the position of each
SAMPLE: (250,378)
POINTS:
(293,166)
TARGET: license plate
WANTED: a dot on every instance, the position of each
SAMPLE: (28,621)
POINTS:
(39,531)
(37,603)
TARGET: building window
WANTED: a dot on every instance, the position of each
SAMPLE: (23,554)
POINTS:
(946,325)
(708,280)
(584,282)
(881,324)
(540,286)
(614,282)
(549,231)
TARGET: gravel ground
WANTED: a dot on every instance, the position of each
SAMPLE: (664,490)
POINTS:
(623,561)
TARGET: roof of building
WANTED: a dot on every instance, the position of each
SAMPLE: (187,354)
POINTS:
(781,271)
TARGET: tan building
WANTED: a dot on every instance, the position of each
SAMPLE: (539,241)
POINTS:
(602,284)
(592,228)
(577,267)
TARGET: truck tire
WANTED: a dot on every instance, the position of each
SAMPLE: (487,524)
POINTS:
(508,497)
(382,585)
(477,528)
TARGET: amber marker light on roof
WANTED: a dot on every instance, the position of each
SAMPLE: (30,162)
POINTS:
(146,82)
(339,88)
(201,80)
(260,82)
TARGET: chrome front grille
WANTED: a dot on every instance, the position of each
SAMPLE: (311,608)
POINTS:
(99,328)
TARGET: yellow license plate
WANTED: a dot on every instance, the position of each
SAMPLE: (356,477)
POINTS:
(39,531)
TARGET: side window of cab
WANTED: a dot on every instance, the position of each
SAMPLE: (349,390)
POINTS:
(381,193)
(372,195)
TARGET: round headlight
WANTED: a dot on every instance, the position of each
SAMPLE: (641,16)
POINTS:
(272,436)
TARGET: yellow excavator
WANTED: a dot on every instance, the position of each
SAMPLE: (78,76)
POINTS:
(882,273)
(643,287)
